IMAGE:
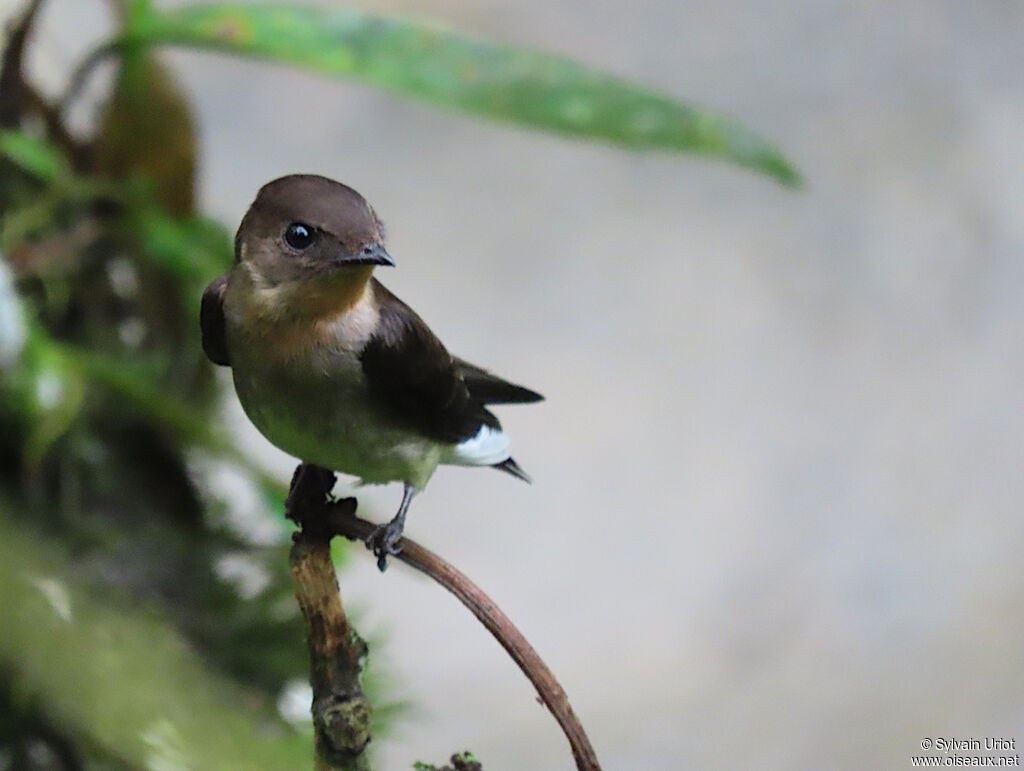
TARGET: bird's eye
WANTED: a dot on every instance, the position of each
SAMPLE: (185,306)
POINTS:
(299,236)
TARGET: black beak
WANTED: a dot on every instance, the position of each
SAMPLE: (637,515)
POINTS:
(372,254)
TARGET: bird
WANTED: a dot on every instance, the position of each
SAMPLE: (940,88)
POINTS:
(333,368)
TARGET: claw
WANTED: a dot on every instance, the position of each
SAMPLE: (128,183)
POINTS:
(383,541)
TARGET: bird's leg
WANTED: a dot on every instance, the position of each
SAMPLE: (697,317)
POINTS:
(384,539)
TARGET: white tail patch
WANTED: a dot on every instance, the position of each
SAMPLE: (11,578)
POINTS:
(488,447)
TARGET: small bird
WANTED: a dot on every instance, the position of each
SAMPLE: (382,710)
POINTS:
(334,369)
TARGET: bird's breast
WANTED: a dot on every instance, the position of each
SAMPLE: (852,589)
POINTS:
(307,393)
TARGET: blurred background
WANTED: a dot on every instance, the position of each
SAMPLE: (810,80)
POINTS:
(776,511)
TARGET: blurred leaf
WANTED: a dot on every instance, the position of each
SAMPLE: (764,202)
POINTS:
(147,131)
(46,394)
(137,384)
(193,249)
(58,413)
(134,381)
(129,685)
(503,82)
(36,156)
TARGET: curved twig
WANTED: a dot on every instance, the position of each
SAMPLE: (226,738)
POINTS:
(19,99)
(81,74)
(12,78)
(344,522)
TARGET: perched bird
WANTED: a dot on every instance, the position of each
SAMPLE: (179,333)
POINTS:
(330,366)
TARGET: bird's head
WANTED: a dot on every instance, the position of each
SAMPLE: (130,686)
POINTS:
(307,231)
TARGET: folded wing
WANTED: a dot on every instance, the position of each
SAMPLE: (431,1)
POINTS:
(211,322)
(412,375)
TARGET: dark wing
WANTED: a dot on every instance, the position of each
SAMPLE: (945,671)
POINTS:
(211,322)
(413,377)
(491,389)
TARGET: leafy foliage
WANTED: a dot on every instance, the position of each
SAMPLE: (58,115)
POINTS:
(75,653)
(533,89)
(34,156)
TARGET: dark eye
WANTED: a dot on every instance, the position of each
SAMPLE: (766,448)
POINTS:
(299,236)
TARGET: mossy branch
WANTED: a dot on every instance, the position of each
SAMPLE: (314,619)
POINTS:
(341,712)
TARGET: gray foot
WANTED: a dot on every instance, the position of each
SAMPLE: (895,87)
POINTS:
(384,541)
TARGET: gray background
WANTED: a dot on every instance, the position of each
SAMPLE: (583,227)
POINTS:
(776,521)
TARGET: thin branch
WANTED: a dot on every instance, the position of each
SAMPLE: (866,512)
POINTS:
(81,75)
(55,127)
(341,520)
(12,78)
(18,99)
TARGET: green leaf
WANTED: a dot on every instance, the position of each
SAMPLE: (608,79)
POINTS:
(533,89)
(126,684)
(67,367)
(40,159)
(193,249)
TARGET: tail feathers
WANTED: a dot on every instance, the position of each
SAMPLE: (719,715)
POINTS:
(509,466)
(500,392)
(491,389)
